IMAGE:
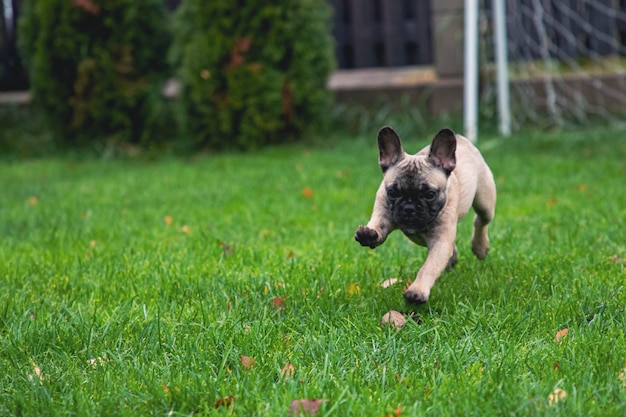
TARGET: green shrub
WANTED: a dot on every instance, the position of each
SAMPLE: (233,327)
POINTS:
(252,73)
(96,66)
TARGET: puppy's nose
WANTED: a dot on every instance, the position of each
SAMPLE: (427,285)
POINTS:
(409,210)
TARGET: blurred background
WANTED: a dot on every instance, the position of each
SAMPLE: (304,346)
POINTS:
(565,65)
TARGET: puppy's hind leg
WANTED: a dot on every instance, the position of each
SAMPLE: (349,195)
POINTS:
(484,206)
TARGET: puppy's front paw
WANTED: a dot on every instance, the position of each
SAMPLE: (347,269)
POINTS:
(415,297)
(367,237)
(480,249)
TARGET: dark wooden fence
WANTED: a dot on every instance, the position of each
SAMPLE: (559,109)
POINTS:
(382,33)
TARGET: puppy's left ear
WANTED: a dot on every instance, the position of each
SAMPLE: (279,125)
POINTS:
(443,150)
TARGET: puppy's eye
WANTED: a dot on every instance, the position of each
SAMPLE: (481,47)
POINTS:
(430,194)
(393,192)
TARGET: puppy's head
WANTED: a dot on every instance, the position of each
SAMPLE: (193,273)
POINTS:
(416,185)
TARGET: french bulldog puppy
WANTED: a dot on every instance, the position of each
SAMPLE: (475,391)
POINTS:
(425,195)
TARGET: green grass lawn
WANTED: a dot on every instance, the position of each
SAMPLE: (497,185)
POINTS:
(136,287)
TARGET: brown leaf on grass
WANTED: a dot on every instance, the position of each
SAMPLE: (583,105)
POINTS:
(287,371)
(305,406)
(582,187)
(622,377)
(560,335)
(618,260)
(186,230)
(551,201)
(224,401)
(555,396)
(169,391)
(389,282)
(307,192)
(168,220)
(396,413)
(400,379)
(247,362)
(33,201)
(37,375)
(279,303)
(353,289)
(394,319)
(226,248)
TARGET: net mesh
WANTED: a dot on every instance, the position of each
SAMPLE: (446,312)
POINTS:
(567,60)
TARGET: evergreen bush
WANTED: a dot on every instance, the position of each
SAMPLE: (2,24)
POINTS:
(96,66)
(254,72)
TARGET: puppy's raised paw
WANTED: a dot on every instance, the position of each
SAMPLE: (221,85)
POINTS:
(367,237)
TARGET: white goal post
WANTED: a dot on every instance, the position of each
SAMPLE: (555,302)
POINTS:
(471,81)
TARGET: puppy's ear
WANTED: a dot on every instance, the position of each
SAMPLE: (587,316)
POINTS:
(390,150)
(443,150)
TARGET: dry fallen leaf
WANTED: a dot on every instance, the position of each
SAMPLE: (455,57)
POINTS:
(582,187)
(38,375)
(622,377)
(169,391)
(287,371)
(561,334)
(618,260)
(396,413)
(224,401)
(33,201)
(247,362)
(389,282)
(305,406)
(168,220)
(557,395)
(353,289)
(551,201)
(185,229)
(393,319)
(99,361)
(279,303)
(400,379)
(307,192)
(226,248)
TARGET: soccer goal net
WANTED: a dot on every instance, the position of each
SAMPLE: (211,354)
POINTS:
(566,60)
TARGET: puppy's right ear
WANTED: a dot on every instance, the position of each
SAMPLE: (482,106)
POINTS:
(390,150)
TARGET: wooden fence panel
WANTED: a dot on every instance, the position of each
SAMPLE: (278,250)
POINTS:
(382,33)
